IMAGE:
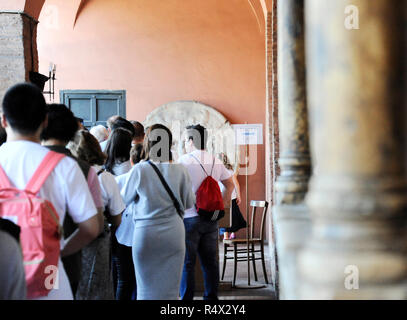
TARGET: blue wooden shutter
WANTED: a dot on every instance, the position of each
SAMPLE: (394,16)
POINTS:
(94,107)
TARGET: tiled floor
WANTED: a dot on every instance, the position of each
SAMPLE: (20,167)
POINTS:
(226,292)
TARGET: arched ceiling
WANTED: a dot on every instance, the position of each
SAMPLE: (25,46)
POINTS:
(34,7)
(79,10)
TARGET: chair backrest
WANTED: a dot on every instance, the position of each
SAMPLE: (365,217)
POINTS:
(258,205)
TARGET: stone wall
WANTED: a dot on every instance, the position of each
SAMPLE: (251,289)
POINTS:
(272,132)
(18,49)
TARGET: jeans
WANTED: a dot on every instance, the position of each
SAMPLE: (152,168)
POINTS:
(201,239)
(124,278)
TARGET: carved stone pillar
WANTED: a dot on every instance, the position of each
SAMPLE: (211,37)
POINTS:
(290,215)
(292,184)
(358,193)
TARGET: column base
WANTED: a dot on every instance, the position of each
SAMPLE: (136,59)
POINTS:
(309,291)
(292,227)
(343,273)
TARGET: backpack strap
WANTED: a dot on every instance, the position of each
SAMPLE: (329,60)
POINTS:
(45,168)
(100,171)
(213,165)
(200,165)
(4,181)
(168,189)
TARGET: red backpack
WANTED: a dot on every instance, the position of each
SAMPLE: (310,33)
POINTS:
(209,201)
(39,223)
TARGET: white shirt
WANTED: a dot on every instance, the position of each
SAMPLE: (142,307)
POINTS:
(124,233)
(197,174)
(103,145)
(66,188)
(121,168)
(110,192)
(223,189)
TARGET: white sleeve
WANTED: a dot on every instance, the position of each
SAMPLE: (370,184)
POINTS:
(79,201)
(115,202)
(224,173)
(129,189)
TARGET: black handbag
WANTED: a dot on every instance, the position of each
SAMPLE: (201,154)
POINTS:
(167,187)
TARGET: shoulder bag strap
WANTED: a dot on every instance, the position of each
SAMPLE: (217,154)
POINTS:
(200,164)
(45,168)
(167,187)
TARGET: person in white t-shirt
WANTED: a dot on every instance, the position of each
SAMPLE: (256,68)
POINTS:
(118,152)
(201,235)
(24,115)
(61,129)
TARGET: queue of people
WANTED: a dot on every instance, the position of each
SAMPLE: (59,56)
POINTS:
(125,220)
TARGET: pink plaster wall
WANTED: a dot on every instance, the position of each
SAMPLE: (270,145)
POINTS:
(211,51)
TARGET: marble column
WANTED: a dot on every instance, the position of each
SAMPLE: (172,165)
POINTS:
(294,161)
(358,192)
(290,215)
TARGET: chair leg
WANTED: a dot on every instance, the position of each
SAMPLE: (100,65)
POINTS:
(263,263)
(254,263)
(224,259)
(235,264)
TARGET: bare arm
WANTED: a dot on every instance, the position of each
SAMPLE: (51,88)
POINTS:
(101,220)
(116,220)
(229,185)
(87,231)
(237,187)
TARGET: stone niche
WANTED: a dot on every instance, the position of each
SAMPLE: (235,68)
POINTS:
(179,114)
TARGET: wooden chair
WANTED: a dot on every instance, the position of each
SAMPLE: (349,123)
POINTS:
(256,244)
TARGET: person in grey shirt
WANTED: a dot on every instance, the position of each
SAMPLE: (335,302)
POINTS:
(12,275)
(159,233)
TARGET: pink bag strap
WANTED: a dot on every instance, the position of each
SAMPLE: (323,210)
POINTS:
(4,180)
(43,171)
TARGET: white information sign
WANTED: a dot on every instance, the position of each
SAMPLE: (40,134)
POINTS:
(248,134)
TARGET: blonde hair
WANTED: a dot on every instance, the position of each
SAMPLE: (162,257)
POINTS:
(223,157)
(99,132)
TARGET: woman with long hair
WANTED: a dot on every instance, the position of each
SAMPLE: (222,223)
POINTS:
(96,281)
(122,241)
(238,222)
(118,152)
(159,191)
